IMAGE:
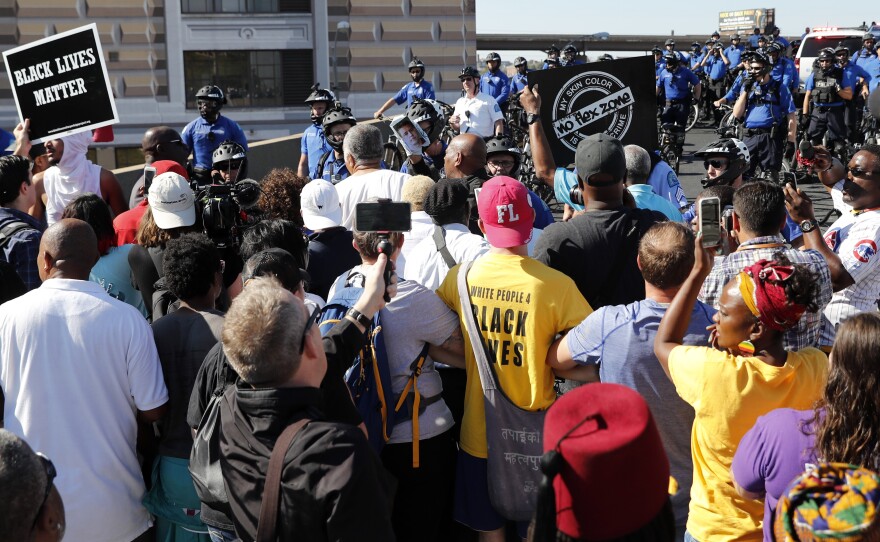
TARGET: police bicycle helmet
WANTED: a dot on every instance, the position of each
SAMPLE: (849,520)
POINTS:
(431,111)
(605,58)
(841,49)
(519,61)
(335,116)
(569,49)
(415,63)
(468,71)
(230,151)
(211,92)
(320,95)
(656,50)
(493,57)
(671,58)
(552,49)
(762,58)
(737,155)
(498,145)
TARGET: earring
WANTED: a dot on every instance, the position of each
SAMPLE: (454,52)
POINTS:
(746,347)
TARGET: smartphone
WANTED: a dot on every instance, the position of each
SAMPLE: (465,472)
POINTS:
(383,216)
(149,174)
(727,219)
(710,221)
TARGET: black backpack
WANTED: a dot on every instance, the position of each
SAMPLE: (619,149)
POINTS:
(164,302)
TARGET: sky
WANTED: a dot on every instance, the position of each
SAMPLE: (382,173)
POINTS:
(652,17)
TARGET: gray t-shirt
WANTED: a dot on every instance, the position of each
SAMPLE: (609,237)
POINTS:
(620,339)
(414,317)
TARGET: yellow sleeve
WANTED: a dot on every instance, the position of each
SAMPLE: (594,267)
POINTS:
(448,290)
(575,308)
(687,366)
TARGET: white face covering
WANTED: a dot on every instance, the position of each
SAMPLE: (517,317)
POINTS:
(71,177)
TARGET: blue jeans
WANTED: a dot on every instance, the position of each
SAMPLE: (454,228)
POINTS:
(219,535)
(689,538)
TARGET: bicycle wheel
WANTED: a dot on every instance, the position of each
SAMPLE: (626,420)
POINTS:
(693,115)
(392,157)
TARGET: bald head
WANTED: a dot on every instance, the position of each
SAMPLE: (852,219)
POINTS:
(465,155)
(163,143)
(68,249)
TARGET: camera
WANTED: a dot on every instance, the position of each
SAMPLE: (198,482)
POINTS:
(383,217)
(224,209)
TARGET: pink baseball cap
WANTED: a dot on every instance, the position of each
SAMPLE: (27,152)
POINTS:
(506,212)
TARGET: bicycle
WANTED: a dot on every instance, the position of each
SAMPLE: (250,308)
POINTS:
(672,144)
(693,116)
(729,126)
(392,155)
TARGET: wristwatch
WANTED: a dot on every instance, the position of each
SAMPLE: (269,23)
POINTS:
(532,118)
(360,318)
(808,225)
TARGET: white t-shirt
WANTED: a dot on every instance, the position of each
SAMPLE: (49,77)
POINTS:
(837,198)
(383,183)
(75,367)
(478,115)
(414,316)
(422,226)
(426,265)
(854,238)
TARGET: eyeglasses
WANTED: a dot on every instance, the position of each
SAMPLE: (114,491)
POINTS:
(225,166)
(716,163)
(51,474)
(507,164)
(861,173)
(338,136)
(309,323)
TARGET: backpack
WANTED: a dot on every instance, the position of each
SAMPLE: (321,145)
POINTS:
(164,302)
(204,459)
(369,377)
(10,229)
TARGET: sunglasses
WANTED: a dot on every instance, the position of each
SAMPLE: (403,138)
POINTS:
(228,165)
(51,474)
(715,163)
(861,173)
(339,136)
(309,323)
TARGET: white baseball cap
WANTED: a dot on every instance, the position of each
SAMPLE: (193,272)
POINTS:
(172,201)
(320,205)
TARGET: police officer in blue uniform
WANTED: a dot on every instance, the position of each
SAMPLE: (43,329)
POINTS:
(753,39)
(862,81)
(336,123)
(659,63)
(670,48)
(768,112)
(552,53)
(569,56)
(676,81)
(780,40)
(495,82)
(418,89)
(734,54)
(205,134)
(520,79)
(782,69)
(825,90)
(715,64)
(866,55)
(314,144)
(696,58)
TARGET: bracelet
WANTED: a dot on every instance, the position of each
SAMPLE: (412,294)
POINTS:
(359,318)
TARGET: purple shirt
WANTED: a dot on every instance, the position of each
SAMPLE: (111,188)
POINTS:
(772,454)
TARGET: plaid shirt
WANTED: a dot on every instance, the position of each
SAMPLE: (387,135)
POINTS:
(23,246)
(806,332)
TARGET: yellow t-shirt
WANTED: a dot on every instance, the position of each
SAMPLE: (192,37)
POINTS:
(728,394)
(521,305)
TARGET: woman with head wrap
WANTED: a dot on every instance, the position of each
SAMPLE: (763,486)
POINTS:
(744,372)
(844,426)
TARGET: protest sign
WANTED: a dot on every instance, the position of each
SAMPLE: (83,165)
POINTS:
(616,97)
(60,83)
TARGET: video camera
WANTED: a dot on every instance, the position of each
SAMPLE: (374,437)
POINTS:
(224,207)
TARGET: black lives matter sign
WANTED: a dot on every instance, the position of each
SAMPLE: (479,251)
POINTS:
(60,83)
(615,97)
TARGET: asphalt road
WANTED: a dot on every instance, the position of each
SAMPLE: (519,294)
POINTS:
(691,171)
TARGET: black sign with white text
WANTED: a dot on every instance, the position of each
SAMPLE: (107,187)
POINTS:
(60,83)
(616,97)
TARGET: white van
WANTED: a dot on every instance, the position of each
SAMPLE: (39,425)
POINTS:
(819,39)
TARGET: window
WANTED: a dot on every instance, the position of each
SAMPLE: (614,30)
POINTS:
(246,6)
(251,78)
(128,156)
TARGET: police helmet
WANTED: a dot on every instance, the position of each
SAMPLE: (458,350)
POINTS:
(795,44)
(826,54)
(468,71)
(775,48)
(656,49)
(605,58)
(552,62)
(760,56)
(736,153)
(569,49)
(552,49)
(416,63)
(762,37)
(519,61)
(335,116)
(670,41)
(841,49)
(320,95)
(868,36)
(735,37)
(493,57)
(431,111)
(716,34)
(230,151)
(211,92)
(498,145)
(696,45)
(671,58)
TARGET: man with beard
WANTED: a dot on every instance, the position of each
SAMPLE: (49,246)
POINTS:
(419,89)
(206,133)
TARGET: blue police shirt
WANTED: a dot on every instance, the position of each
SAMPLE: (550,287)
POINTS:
(677,85)
(496,85)
(411,91)
(335,167)
(314,145)
(203,138)
(665,183)
(766,107)
(846,82)
(753,40)
(659,66)
(873,69)
(856,71)
(695,63)
(734,55)
(782,73)
(716,67)
(782,41)
(518,82)
(863,57)
(735,88)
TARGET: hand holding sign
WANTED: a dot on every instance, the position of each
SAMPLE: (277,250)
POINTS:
(530,100)
(22,139)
